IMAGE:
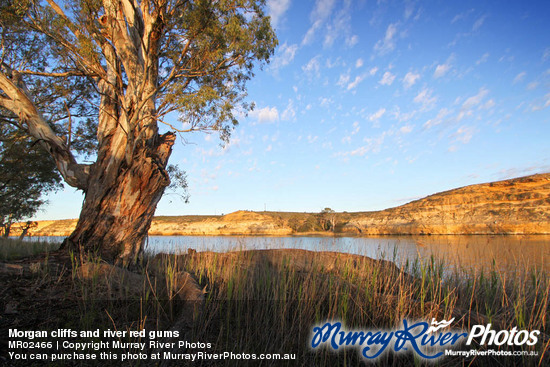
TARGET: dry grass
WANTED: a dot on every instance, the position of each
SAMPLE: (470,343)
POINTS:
(256,306)
(11,249)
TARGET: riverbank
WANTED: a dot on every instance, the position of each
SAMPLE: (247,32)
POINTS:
(516,206)
(267,301)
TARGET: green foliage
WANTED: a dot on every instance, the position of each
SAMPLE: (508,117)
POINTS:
(26,173)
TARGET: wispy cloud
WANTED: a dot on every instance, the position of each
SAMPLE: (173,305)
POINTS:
(461,16)
(319,15)
(387,44)
(285,55)
(519,78)
(475,100)
(373,145)
(310,34)
(340,27)
(437,120)
(276,10)
(441,70)
(358,79)
(289,113)
(387,78)
(478,23)
(541,104)
(540,167)
(407,129)
(266,114)
(410,79)
(470,103)
(464,134)
(377,115)
(313,66)
(425,98)
(483,58)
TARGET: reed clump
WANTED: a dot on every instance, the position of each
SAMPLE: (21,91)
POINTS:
(11,249)
(268,301)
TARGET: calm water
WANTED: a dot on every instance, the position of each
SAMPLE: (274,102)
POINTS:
(504,253)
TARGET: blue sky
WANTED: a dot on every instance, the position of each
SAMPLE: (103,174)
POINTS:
(370,104)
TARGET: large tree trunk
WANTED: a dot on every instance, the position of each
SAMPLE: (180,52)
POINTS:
(117,213)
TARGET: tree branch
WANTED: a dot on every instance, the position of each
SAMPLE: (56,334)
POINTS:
(75,174)
(55,75)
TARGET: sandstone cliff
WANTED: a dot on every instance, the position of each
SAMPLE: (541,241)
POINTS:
(516,206)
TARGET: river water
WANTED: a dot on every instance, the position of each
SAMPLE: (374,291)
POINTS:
(508,254)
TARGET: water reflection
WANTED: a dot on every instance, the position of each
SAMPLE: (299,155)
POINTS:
(508,254)
(502,253)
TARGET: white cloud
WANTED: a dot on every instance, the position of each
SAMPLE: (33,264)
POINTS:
(343,80)
(377,115)
(483,58)
(541,105)
(313,66)
(310,34)
(403,116)
(320,13)
(373,145)
(546,54)
(322,10)
(478,23)
(444,112)
(425,98)
(461,16)
(533,85)
(464,134)
(266,114)
(441,70)
(409,79)
(340,27)
(488,105)
(475,100)
(285,55)
(444,68)
(289,113)
(406,129)
(387,44)
(358,79)
(312,138)
(325,102)
(373,71)
(352,40)
(387,78)
(519,77)
(409,9)
(276,9)
(359,63)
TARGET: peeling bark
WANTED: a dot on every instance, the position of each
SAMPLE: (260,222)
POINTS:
(115,218)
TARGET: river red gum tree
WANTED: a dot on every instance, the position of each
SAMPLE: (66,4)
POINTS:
(142,60)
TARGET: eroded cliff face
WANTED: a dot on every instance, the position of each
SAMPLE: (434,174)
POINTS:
(516,206)
(237,223)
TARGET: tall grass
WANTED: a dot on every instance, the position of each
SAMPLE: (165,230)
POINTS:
(255,304)
(258,307)
(11,249)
